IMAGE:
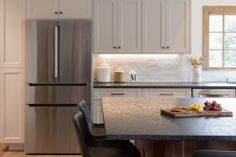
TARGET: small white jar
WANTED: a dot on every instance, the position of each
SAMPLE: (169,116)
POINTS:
(103,73)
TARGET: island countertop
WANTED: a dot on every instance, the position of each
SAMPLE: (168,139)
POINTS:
(202,85)
(140,119)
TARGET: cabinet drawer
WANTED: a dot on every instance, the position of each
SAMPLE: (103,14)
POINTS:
(117,92)
(167,93)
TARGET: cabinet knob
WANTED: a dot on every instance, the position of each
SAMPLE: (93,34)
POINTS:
(119,47)
(168,47)
(114,47)
(163,47)
(60,12)
(56,12)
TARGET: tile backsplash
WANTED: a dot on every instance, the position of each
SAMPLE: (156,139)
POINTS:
(174,68)
(159,68)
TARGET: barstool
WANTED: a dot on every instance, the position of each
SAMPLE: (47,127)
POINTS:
(104,148)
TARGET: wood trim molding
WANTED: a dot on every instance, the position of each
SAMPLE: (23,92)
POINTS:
(207,10)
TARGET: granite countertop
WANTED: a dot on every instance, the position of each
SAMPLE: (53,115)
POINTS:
(218,85)
(140,119)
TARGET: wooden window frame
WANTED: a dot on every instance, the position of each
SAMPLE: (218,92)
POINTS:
(210,10)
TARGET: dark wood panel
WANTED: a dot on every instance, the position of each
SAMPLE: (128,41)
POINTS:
(180,148)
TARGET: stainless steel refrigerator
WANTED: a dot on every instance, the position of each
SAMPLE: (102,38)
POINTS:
(58,75)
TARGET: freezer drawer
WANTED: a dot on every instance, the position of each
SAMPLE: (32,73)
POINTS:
(49,130)
(57,94)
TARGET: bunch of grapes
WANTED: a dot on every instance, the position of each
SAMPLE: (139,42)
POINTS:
(214,106)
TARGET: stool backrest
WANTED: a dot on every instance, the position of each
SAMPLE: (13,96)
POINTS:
(82,105)
(82,131)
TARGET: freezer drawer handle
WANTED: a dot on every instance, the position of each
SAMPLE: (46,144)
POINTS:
(117,93)
(167,94)
(56,68)
(52,105)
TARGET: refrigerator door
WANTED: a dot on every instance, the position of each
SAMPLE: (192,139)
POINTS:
(49,130)
(59,51)
(75,51)
(40,51)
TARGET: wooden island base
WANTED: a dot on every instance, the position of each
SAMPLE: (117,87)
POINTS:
(180,148)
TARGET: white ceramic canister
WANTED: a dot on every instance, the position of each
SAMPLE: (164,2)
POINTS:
(103,73)
(197,74)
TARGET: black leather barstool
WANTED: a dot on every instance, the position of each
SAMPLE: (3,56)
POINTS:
(96,132)
(91,148)
(213,153)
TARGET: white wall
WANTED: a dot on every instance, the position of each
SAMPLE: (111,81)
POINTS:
(197,36)
(157,69)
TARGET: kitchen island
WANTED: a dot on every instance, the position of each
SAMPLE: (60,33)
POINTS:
(159,135)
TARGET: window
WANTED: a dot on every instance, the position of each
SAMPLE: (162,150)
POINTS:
(219,37)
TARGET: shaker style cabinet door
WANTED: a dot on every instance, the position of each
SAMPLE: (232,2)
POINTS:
(178,26)
(42,9)
(75,8)
(12,106)
(12,32)
(129,26)
(105,26)
(153,26)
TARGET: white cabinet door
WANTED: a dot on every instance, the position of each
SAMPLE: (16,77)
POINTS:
(153,26)
(75,8)
(178,26)
(12,32)
(12,106)
(96,111)
(42,9)
(129,26)
(105,26)
(167,93)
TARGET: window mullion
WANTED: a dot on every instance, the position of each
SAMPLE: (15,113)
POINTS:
(223,42)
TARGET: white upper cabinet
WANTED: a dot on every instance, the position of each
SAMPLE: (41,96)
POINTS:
(52,9)
(75,8)
(129,26)
(44,9)
(153,26)
(117,26)
(166,26)
(105,26)
(178,26)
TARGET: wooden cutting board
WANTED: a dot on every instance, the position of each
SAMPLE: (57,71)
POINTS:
(223,113)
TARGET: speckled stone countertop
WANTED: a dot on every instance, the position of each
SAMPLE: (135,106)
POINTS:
(140,119)
(218,85)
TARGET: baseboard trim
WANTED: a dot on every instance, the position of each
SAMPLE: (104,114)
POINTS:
(16,147)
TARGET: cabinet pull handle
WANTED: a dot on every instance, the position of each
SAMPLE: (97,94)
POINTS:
(117,93)
(166,94)
(213,95)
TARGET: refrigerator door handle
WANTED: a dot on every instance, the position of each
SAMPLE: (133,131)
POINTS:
(56,68)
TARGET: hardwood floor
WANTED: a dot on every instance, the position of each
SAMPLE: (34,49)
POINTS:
(5,153)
